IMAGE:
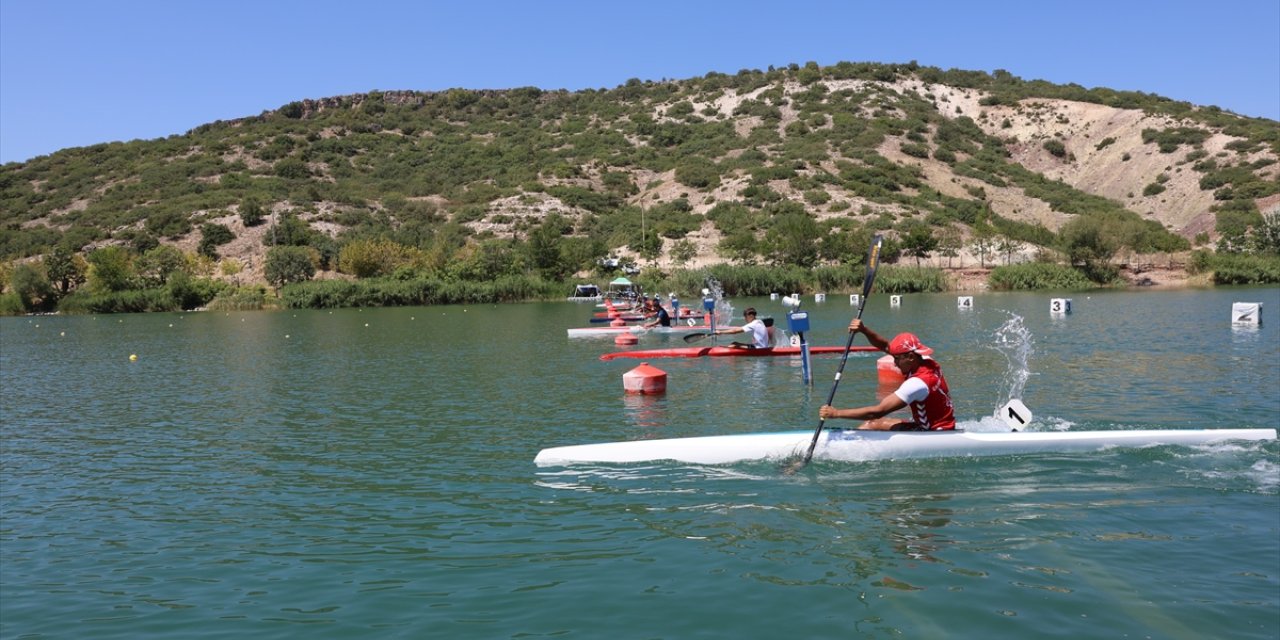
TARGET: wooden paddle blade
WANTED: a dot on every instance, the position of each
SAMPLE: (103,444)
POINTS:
(695,337)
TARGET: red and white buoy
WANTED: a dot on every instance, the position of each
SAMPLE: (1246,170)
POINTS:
(645,379)
(626,339)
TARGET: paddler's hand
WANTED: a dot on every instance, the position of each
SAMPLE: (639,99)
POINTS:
(856,325)
(826,412)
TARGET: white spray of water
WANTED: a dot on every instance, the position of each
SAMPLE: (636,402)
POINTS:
(724,310)
(1014,341)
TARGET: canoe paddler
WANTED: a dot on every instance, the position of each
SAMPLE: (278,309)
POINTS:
(924,390)
(755,327)
(656,313)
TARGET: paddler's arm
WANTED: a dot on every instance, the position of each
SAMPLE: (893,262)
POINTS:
(888,405)
(874,338)
(720,332)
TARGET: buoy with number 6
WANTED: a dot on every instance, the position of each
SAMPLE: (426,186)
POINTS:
(645,379)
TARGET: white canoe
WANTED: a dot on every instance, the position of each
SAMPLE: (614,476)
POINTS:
(587,332)
(854,445)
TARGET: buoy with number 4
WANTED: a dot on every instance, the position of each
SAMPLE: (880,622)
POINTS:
(645,379)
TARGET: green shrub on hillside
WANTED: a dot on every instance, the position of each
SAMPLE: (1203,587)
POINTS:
(1038,275)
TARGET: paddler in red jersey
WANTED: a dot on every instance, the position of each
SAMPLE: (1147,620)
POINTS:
(924,390)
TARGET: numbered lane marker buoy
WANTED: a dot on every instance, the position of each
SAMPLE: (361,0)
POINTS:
(1015,414)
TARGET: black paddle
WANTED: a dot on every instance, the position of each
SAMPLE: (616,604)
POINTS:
(873,259)
(694,337)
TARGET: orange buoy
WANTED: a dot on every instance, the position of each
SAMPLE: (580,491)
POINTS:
(888,372)
(626,339)
(617,322)
(645,379)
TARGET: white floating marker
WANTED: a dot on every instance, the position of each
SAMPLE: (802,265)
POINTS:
(773,296)
(1060,306)
(964,302)
(1015,414)
(1246,313)
(895,301)
(819,297)
(854,299)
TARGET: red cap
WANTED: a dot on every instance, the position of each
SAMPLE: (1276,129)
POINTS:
(906,343)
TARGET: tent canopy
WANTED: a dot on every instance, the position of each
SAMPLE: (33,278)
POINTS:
(622,282)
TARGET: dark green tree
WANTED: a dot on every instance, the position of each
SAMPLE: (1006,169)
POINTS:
(157,265)
(1086,243)
(918,241)
(65,268)
(32,285)
(792,239)
(288,264)
(251,212)
(212,236)
(111,269)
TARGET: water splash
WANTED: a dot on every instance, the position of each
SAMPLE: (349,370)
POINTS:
(724,309)
(1014,341)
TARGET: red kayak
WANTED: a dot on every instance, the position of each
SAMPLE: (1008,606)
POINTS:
(699,352)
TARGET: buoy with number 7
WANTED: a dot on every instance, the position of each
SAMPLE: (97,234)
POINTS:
(1015,414)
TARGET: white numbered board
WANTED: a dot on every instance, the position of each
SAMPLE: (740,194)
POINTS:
(1246,313)
(964,302)
(895,301)
(1060,306)
(854,299)
(1015,414)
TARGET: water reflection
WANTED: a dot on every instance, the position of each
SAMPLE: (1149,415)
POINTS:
(646,411)
(913,522)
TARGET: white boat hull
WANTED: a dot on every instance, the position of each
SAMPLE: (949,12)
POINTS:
(854,445)
(587,332)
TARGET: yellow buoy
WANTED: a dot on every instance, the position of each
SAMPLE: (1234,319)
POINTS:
(133,357)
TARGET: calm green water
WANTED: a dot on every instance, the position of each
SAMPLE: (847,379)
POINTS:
(368,474)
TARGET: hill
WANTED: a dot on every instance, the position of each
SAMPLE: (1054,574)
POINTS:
(783,166)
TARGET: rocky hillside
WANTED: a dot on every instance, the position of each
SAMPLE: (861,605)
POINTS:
(673,173)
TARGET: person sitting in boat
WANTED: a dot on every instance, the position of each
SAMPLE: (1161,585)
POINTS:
(924,390)
(660,317)
(758,332)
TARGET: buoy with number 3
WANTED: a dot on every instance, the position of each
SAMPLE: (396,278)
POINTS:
(645,379)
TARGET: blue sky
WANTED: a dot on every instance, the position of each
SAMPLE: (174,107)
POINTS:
(79,72)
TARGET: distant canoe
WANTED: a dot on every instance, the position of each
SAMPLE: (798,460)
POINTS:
(727,352)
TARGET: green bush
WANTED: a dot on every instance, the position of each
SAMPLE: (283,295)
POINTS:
(239,299)
(903,279)
(1038,275)
(1056,148)
(11,305)
(289,264)
(212,236)
(1230,268)
(128,301)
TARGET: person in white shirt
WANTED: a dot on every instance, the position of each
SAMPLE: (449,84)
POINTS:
(758,332)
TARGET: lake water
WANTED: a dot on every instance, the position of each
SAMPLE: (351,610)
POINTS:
(369,474)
